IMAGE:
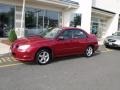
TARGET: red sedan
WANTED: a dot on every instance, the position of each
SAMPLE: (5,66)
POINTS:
(54,43)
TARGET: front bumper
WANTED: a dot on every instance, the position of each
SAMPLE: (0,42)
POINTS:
(22,56)
(111,44)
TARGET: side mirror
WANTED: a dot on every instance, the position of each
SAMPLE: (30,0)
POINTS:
(60,38)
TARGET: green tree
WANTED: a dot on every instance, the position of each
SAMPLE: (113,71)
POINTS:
(12,35)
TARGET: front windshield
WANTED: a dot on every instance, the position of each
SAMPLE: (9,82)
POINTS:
(116,34)
(51,33)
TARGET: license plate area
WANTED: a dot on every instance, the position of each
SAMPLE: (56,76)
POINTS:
(110,43)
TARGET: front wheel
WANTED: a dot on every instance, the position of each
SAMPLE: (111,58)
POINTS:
(89,51)
(43,57)
(107,46)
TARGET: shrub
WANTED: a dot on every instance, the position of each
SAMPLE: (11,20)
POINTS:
(12,35)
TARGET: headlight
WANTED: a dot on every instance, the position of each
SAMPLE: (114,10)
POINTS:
(106,40)
(23,47)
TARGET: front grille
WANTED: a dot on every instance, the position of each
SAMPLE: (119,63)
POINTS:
(111,40)
(17,46)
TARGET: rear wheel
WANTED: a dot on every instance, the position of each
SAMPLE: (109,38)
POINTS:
(89,51)
(43,57)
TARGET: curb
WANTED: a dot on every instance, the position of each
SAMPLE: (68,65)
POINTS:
(5,54)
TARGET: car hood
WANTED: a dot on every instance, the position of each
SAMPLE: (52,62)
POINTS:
(30,40)
(114,37)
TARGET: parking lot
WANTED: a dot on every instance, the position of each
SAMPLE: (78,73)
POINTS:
(8,60)
(100,72)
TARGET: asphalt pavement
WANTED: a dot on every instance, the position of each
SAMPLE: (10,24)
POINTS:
(100,72)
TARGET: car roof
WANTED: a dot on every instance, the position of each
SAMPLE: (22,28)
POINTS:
(73,28)
(68,28)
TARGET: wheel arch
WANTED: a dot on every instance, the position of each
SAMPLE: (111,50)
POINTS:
(46,48)
(92,47)
(85,52)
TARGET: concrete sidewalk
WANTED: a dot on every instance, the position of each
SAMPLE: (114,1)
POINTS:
(100,42)
(4,49)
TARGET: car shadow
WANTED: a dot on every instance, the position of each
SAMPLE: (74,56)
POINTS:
(73,57)
(65,58)
(29,63)
(114,48)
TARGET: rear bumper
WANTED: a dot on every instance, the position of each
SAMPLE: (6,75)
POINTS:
(96,47)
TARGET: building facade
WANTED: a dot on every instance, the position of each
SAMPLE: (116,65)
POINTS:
(31,17)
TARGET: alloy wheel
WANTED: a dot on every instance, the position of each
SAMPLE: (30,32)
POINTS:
(89,51)
(43,57)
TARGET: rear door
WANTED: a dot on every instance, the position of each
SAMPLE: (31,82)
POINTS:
(79,41)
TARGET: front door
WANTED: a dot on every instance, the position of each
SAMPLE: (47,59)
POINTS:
(64,46)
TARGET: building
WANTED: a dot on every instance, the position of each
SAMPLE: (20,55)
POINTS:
(31,17)
(105,17)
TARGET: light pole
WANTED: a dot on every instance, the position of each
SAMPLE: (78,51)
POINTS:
(22,19)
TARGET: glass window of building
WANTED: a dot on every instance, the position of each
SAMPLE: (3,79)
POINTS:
(119,24)
(33,18)
(30,18)
(75,20)
(37,21)
(7,14)
(51,19)
(94,26)
(98,25)
(33,21)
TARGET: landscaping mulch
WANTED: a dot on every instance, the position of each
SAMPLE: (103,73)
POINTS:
(7,42)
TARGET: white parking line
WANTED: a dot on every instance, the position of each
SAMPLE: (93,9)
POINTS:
(1,61)
(13,59)
(109,49)
(106,50)
(8,59)
(10,65)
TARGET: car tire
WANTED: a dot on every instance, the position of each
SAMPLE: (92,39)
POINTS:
(107,46)
(43,57)
(89,51)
